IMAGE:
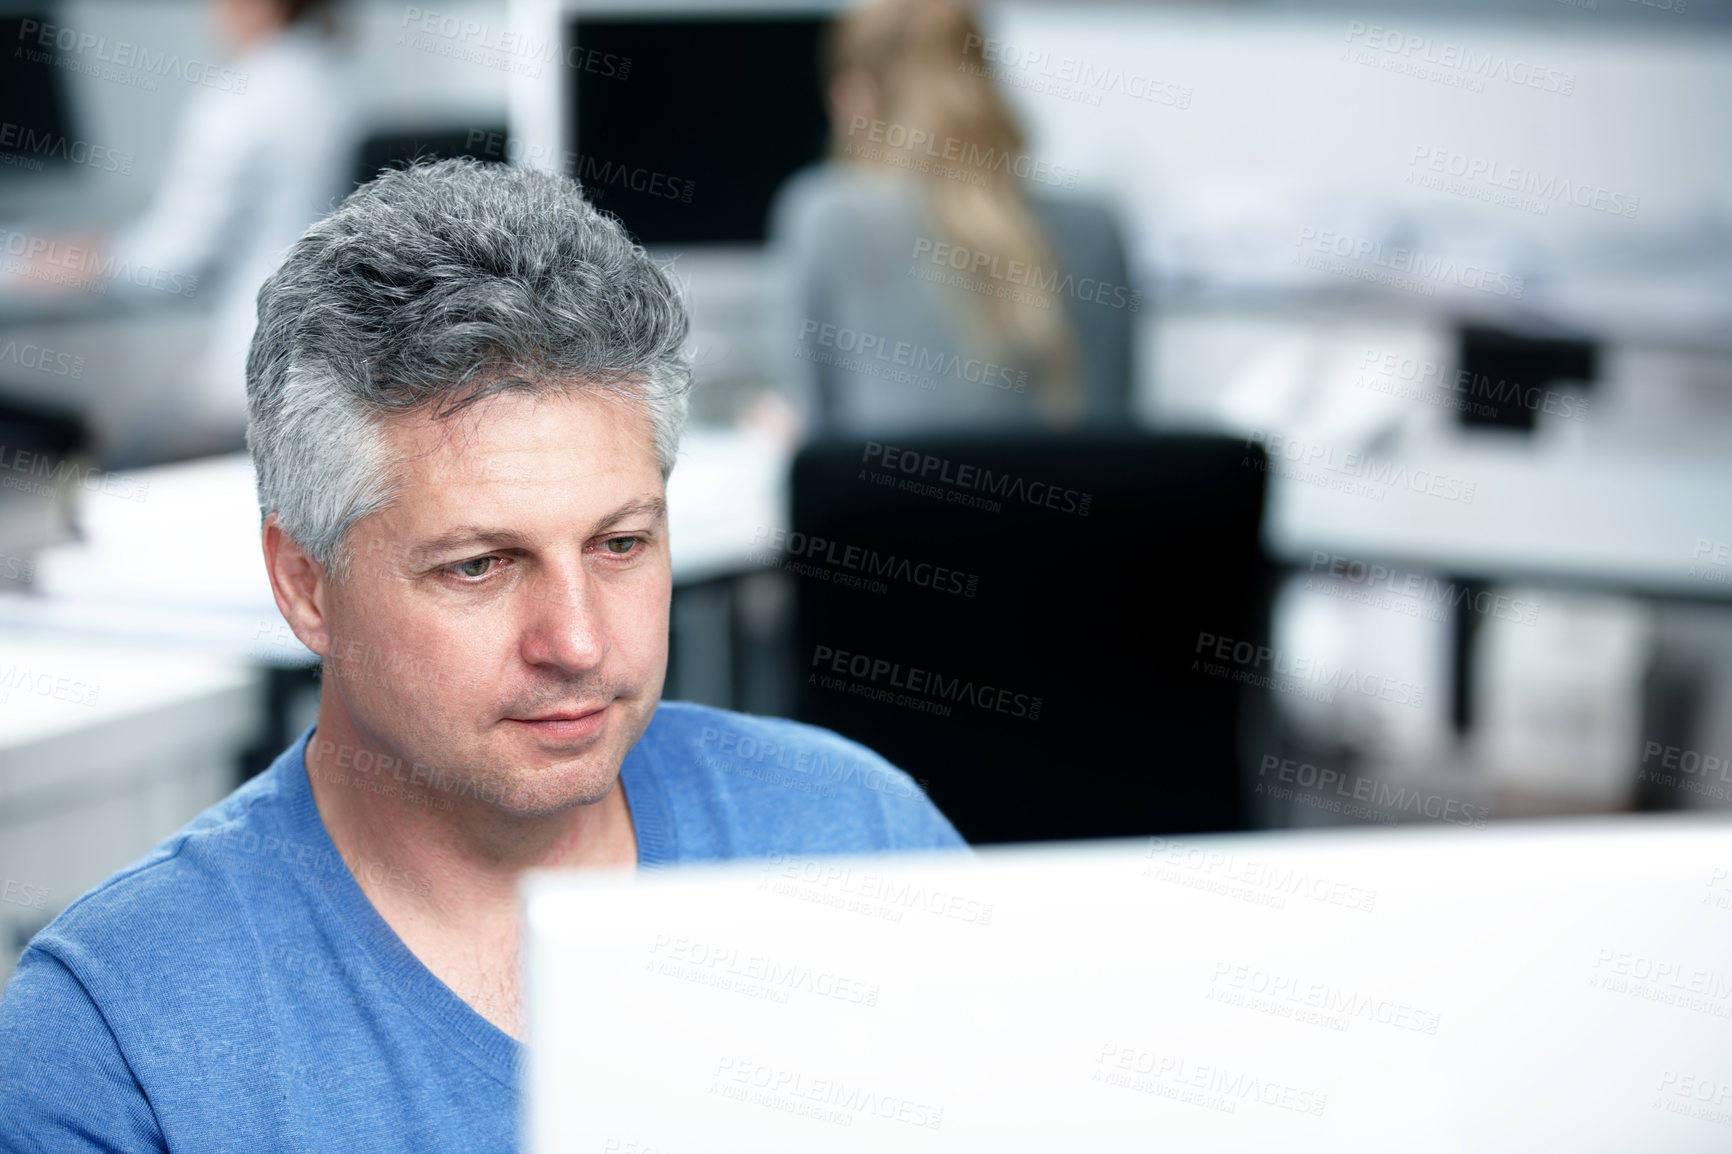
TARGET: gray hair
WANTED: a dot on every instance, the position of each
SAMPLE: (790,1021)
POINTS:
(426,290)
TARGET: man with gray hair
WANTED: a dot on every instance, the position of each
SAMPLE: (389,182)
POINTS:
(466,393)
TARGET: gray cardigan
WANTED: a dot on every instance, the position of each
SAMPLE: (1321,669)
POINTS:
(873,330)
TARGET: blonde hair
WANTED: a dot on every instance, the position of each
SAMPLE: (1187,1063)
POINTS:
(941,118)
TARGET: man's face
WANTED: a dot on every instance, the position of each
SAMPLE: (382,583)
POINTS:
(506,619)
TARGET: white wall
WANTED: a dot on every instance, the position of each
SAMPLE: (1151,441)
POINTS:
(1281,131)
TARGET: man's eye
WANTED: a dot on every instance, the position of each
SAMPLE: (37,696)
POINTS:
(475,567)
(620,545)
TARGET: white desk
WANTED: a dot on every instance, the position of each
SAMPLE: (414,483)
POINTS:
(103,750)
(1628,519)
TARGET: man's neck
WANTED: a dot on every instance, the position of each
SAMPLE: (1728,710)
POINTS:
(441,869)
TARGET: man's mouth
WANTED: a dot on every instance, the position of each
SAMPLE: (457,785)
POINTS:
(569,722)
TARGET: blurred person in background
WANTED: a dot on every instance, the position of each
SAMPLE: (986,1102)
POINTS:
(248,169)
(930,286)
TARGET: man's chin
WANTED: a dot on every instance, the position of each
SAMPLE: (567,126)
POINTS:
(542,791)
(536,773)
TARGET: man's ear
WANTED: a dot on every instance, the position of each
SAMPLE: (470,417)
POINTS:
(300,585)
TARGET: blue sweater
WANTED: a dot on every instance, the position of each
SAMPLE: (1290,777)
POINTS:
(236,990)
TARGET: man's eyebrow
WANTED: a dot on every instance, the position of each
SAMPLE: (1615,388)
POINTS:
(655,507)
(463,535)
(493,537)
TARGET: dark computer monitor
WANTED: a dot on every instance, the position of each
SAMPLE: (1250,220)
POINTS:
(32,100)
(688,142)
(1506,375)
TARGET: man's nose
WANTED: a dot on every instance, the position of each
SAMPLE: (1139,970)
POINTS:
(565,626)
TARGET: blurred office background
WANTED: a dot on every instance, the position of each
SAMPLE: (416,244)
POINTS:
(1411,500)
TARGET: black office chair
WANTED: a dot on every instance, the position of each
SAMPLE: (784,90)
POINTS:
(945,584)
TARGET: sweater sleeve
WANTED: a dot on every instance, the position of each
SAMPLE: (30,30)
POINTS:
(64,1081)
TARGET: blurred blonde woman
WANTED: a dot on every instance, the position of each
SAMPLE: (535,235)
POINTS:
(936,280)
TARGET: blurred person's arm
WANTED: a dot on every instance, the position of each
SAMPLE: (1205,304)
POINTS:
(200,204)
(196,214)
(56,264)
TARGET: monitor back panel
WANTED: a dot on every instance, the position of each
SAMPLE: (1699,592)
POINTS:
(1510,989)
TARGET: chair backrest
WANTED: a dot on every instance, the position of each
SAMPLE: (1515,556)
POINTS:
(1019,622)
(397,147)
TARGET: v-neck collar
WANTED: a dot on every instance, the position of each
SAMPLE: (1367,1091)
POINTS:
(491,1049)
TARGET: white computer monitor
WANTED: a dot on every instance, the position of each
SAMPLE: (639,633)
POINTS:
(1562,986)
